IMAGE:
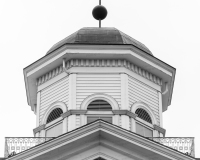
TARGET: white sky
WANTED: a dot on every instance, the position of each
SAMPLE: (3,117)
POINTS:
(169,28)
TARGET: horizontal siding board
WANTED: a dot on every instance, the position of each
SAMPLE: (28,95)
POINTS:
(133,81)
(141,92)
(141,89)
(88,84)
(97,79)
(53,97)
(55,85)
(58,98)
(65,86)
(149,104)
(143,96)
(62,99)
(64,91)
(56,92)
(47,105)
(98,85)
(83,97)
(98,82)
(140,98)
(93,89)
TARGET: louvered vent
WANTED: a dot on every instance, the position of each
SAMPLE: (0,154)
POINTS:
(56,113)
(143,115)
(99,105)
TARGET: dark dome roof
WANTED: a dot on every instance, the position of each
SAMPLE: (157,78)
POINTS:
(96,35)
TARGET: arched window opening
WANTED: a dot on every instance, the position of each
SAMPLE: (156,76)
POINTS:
(99,105)
(99,110)
(143,115)
(56,113)
(141,128)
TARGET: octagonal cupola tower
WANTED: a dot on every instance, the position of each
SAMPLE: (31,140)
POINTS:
(99,73)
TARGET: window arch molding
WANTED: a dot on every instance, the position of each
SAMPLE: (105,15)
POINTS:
(144,106)
(53,106)
(100,96)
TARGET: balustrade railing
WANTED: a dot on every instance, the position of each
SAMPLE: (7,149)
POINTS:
(14,145)
(182,144)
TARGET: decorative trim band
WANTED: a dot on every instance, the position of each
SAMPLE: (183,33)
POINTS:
(124,112)
(99,63)
(115,112)
(49,75)
(160,129)
(73,112)
(38,129)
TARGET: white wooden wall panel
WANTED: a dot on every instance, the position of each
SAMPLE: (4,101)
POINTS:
(143,93)
(78,121)
(88,84)
(55,92)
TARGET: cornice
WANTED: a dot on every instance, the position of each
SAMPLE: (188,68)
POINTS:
(99,63)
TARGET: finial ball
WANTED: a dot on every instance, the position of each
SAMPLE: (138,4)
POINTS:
(99,12)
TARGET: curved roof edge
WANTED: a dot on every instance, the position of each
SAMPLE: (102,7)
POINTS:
(99,36)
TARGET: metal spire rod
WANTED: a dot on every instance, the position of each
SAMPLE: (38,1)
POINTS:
(99,23)
(99,20)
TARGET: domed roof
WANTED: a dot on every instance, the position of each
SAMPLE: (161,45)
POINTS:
(94,35)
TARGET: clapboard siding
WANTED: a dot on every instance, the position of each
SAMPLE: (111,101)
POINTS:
(88,84)
(141,92)
(58,91)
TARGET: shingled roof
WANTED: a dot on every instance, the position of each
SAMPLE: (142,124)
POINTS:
(99,36)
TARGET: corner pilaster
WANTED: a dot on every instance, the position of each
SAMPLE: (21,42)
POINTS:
(38,109)
(124,92)
(160,108)
(71,122)
(72,91)
(124,101)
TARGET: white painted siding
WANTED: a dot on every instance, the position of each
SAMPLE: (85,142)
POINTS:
(55,92)
(141,92)
(88,84)
(78,121)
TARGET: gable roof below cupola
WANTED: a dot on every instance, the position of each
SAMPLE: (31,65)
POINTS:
(100,139)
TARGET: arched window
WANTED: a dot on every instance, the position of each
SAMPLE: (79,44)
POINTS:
(99,109)
(55,128)
(99,105)
(143,124)
(56,113)
(141,113)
